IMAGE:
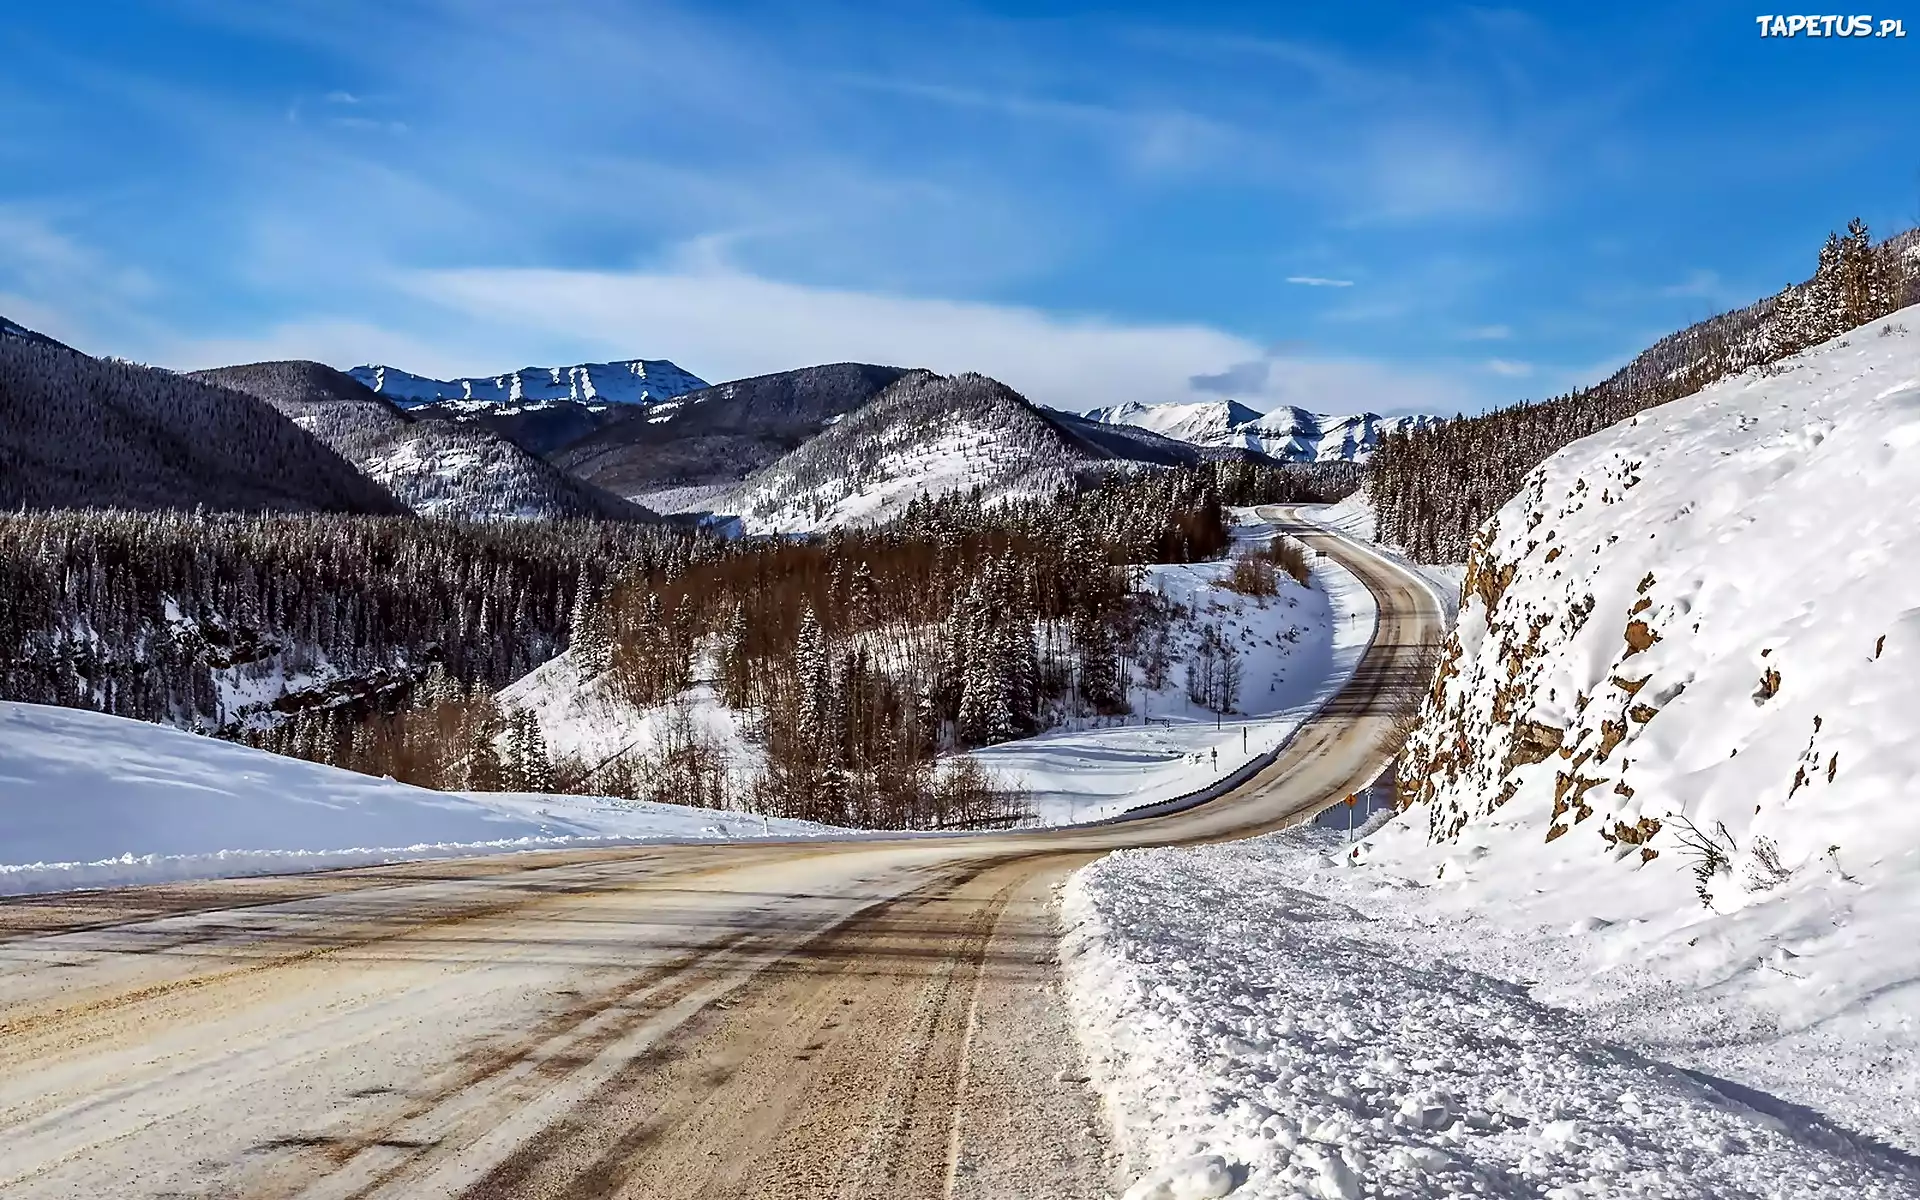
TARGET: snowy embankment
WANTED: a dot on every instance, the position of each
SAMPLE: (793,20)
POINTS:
(1255,1031)
(1648,928)
(1296,650)
(91,801)
(1355,517)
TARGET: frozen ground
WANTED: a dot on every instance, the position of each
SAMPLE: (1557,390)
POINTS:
(586,721)
(1262,1019)
(88,800)
(1298,648)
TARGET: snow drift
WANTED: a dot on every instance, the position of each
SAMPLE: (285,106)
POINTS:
(88,800)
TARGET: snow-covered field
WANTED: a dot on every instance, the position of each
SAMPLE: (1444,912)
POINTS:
(1297,649)
(88,800)
(1651,928)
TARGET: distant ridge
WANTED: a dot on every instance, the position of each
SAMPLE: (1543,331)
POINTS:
(438,468)
(1287,433)
(927,434)
(634,381)
(719,435)
(10,329)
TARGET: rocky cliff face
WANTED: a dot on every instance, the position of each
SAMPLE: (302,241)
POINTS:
(1681,643)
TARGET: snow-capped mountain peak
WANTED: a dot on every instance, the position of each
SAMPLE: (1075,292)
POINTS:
(633,381)
(1287,433)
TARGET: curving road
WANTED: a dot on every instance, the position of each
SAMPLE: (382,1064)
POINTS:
(843,1019)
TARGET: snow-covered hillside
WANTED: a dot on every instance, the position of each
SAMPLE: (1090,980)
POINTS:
(437,468)
(1678,713)
(924,434)
(636,381)
(1295,650)
(1287,433)
(716,437)
(88,800)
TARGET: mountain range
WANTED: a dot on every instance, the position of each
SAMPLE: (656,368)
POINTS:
(927,434)
(1287,433)
(437,468)
(794,451)
(677,454)
(636,381)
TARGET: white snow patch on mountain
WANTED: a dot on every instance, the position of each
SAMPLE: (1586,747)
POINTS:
(1287,433)
(88,800)
(635,381)
(964,457)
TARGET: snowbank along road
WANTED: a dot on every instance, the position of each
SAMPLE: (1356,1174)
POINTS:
(829,1019)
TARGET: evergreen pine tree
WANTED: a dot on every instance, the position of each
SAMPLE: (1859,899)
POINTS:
(536,768)
(590,638)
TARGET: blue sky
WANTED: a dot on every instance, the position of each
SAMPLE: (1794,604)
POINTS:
(1397,207)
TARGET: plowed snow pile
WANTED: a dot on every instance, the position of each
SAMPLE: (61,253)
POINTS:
(1651,925)
(88,800)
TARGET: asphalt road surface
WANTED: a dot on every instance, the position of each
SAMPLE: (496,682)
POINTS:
(793,1020)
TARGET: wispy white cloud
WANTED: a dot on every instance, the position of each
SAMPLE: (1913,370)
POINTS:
(724,323)
(1699,284)
(836,226)
(1155,137)
(1487,333)
(1509,368)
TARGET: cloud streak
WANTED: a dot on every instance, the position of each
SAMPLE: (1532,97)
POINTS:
(1319,281)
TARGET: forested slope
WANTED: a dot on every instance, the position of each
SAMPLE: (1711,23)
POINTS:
(214,622)
(77,431)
